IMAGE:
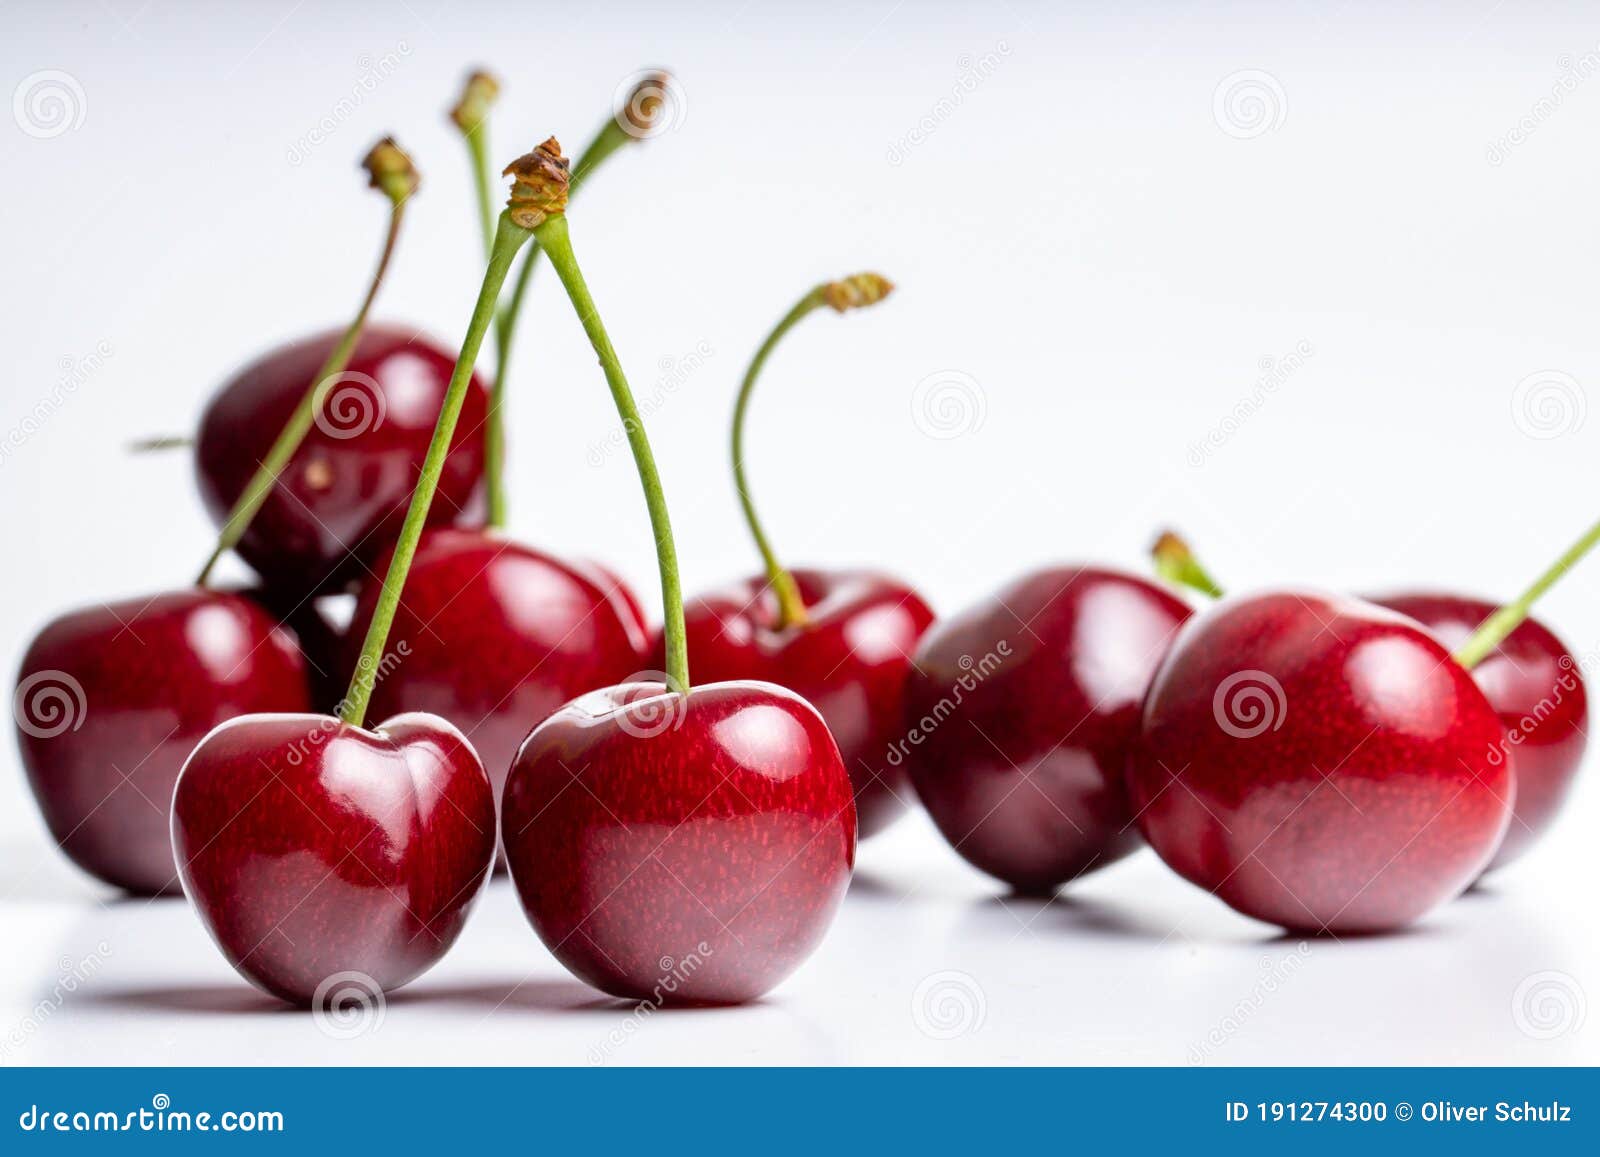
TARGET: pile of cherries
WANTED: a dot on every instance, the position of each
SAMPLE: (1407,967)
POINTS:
(1323,763)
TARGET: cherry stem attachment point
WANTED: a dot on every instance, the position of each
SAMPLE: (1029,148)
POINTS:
(632,124)
(392,173)
(509,238)
(1493,630)
(1176,563)
(854,292)
(539,201)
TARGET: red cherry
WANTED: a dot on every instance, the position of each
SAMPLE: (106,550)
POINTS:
(849,659)
(110,700)
(494,636)
(316,852)
(342,499)
(1020,713)
(681,848)
(1535,686)
(1320,763)
(625,602)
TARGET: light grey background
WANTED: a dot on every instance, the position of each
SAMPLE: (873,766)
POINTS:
(1111,224)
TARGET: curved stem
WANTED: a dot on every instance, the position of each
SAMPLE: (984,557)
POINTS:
(1177,564)
(791,607)
(606,142)
(554,240)
(1493,630)
(294,431)
(509,238)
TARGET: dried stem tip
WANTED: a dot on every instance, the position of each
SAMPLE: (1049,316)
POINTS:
(477,95)
(540,185)
(391,170)
(645,102)
(856,291)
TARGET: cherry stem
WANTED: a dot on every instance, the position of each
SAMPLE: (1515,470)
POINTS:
(1176,563)
(554,240)
(160,444)
(858,290)
(509,237)
(1493,630)
(471,116)
(611,137)
(393,175)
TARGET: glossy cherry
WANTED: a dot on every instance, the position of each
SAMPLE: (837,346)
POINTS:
(494,636)
(1320,763)
(111,700)
(849,659)
(669,844)
(1020,713)
(698,844)
(340,502)
(1536,687)
(320,854)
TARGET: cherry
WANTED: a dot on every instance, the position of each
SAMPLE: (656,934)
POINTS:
(494,636)
(1536,687)
(700,841)
(318,853)
(1319,763)
(1019,716)
(339,502)
(668,844)
(841,639)
(313,849)
(110,700)
(1530,678)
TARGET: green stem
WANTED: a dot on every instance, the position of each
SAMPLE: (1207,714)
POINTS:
(478,149)
(1177,564)
(791,607)
(294,431)
(553,238)
(509,238)
(1493,631)
(606,142)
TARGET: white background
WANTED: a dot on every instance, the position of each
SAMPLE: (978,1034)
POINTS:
(1095,264)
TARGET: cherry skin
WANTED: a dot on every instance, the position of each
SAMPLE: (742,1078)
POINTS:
(341,501)
(1020,713)
(494,636)
(1320,763)
(311,848)
(849,660)
(625,602)
(111,700)
(1535,686)
(689,849)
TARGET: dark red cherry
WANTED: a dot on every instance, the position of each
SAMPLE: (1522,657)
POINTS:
(494,636)
(1320,763)
(688,849)
(111,700)
(343,497)
(849,660)
(1020,713)
(1536,687)
(321,854)
(626,603)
